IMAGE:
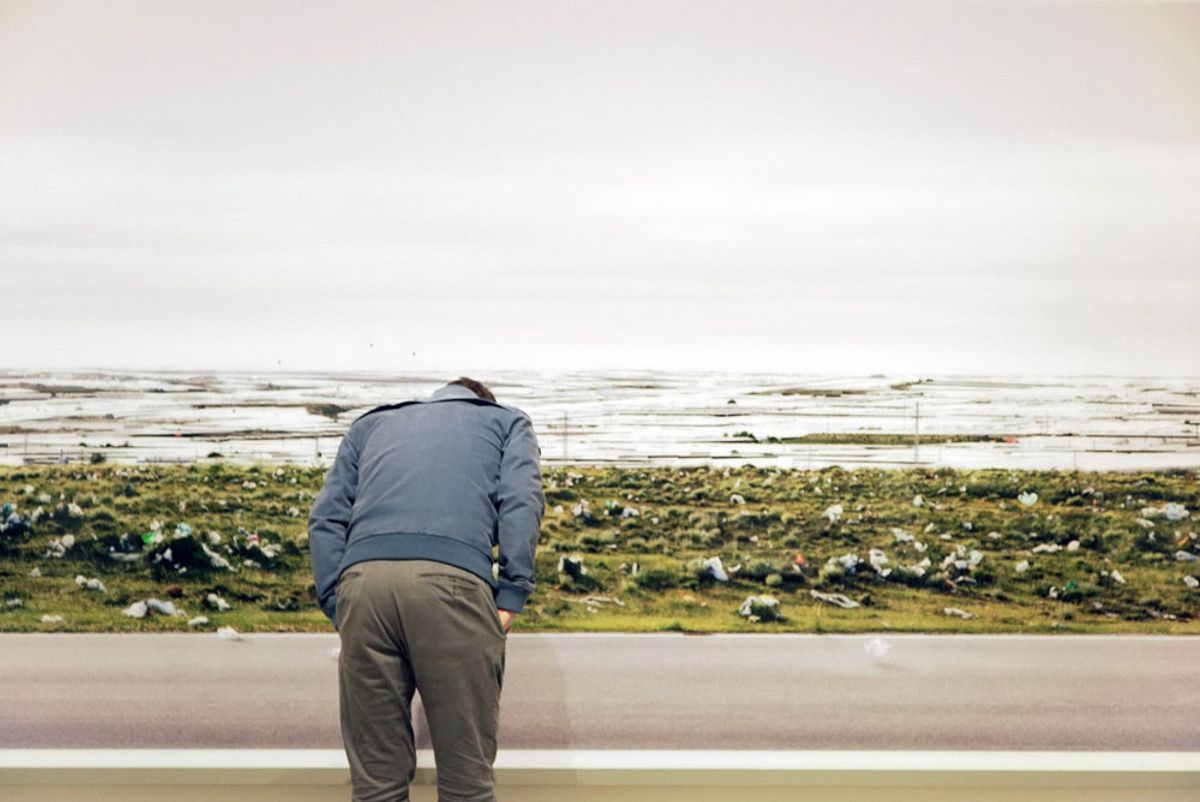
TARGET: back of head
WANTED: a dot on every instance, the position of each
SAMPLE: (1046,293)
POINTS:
(479,388)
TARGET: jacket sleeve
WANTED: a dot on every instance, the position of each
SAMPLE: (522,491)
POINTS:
(520,504)
(329,522)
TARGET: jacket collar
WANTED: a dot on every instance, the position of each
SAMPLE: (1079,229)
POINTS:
(452,391)
(448,392)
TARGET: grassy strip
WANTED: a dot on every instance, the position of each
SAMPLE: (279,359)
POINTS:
(788,532)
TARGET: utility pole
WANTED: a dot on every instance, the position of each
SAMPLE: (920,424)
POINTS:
(917,434)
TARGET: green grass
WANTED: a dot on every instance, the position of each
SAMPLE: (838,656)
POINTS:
(684,513)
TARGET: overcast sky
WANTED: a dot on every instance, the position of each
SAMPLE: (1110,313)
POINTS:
(838,187)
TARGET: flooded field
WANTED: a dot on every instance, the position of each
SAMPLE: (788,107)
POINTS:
(627,418)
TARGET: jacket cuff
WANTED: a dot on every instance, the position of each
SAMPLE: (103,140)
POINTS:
(510,597)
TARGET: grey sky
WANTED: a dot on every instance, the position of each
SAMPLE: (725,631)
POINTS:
(837,187)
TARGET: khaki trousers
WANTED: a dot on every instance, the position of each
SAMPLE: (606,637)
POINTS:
(419,624)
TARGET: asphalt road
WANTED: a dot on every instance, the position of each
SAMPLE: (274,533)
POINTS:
(618,691)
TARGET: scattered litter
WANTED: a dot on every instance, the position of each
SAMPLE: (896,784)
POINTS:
(14,602)
(833,513)
(1022,566)
(1144,523)
(877,647)
(90,584)
(840,599)
(136,610)
(35,572)
(629,512)
(59,546)
(1028,499)
(1185,557)
(572,566)
(1073,545)
(918,500)
(737,499)
(901,536)
(994,535)
(52,619)
(228,633)
(580,509)
(878,559)
(215,602)
(140,609)
(1191,582)
(335,651)
(558,509)
(760,608)
(1050,547)
(1172,511)
(712,567)
(198,621)
(956,611)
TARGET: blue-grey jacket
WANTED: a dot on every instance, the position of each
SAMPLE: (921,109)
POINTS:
(444,478)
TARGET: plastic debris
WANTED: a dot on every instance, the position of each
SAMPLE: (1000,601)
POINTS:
(840,599)
(198,621)
(1116,575)
(833,513)
(164,607)
(140,609)
(878,559)
(956,611)
(918,500)
(877,647)
(760,608)
(52,619)
(1191,582)
(1073,545)
(572,566)
(59,546)
(35,571)
(1185,557)
(629,512)
(580,509)
(1172,511)
(901,536)
(712,567)
(228,633)
(136,610)
(215,602)
(737,498)
(1022,566)
(90,584)
(1028,499)
(1050,547)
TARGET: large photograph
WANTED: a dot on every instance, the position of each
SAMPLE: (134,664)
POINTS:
(599,400)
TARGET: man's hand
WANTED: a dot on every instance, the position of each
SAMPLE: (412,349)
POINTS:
(506,619)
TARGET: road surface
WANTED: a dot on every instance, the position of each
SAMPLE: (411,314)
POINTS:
(627,691)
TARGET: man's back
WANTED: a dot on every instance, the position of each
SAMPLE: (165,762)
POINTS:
(444,478)
(401,538)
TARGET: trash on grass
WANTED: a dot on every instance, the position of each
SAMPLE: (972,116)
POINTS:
(760,608)
(840,599)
